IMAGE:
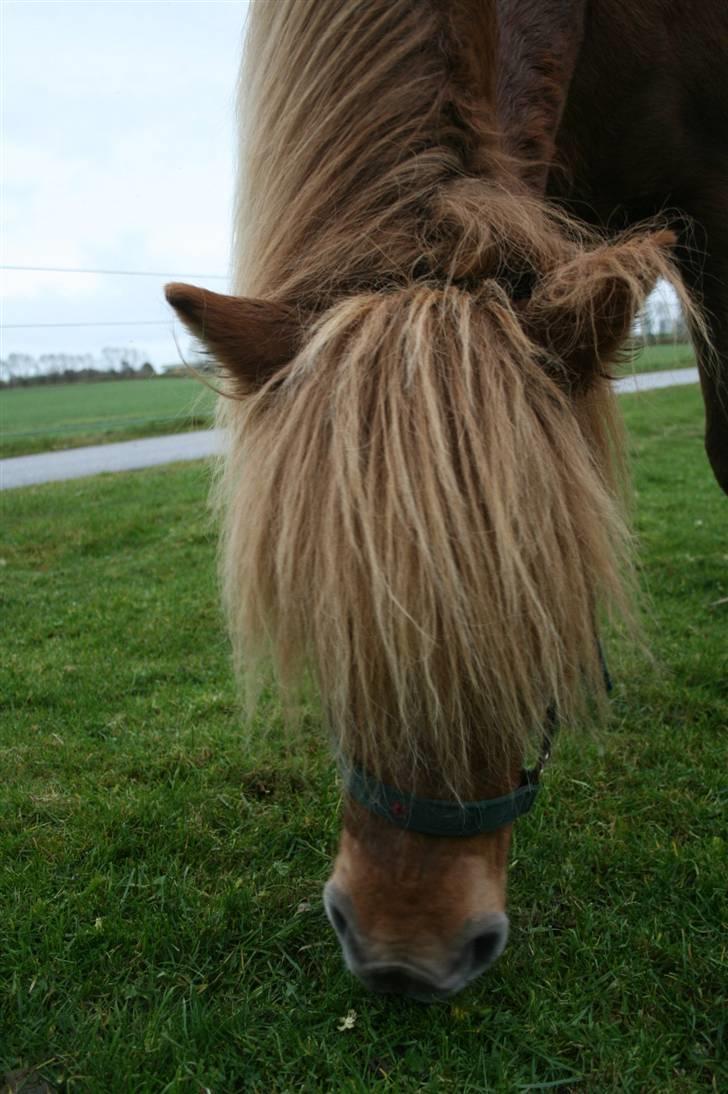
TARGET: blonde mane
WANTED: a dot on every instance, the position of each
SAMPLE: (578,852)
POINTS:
(420,509)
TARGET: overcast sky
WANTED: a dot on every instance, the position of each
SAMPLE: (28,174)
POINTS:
(117,134)
(117,153)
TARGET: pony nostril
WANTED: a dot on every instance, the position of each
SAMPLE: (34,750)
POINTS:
(337,916)
(483,949)
(338,921)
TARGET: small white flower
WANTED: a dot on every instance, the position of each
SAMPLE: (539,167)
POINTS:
(348,1021)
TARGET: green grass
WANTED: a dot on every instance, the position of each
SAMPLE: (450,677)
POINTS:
(47,418)
(55,416)
(162,927)
(656,358)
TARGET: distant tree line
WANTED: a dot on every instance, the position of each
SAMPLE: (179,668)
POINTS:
(661,322)
(24,370)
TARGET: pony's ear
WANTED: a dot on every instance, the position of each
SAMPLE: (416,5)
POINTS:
(583,310)
(251,339)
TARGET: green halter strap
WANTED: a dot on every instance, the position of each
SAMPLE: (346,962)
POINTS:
(434,817)
(449,818)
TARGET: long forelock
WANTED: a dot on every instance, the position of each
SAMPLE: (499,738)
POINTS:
(415,512)
(417,520)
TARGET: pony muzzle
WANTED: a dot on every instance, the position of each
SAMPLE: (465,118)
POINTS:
(402,967)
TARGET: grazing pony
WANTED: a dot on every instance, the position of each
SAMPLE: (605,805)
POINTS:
(421,495)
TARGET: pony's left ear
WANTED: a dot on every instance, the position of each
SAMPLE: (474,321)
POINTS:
(583,310)
(251,339)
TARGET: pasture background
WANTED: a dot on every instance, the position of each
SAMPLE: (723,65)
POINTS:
(162,927)
(54,416)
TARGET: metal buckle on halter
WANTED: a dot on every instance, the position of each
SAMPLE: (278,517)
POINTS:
(543,759)
(552,725)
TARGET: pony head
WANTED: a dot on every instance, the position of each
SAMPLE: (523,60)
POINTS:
(419,514)
(419,500)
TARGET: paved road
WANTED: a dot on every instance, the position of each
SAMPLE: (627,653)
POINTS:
(76,463)
(649,381)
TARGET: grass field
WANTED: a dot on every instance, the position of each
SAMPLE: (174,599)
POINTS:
(162,927)
(41,419)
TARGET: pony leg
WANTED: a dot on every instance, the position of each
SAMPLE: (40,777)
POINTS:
(708,281)
(714,383)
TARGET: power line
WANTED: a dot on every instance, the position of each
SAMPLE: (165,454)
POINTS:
(113,273)
(110,273)
(106,323)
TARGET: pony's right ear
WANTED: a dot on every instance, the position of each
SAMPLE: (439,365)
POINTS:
(251,339)
(582,311)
